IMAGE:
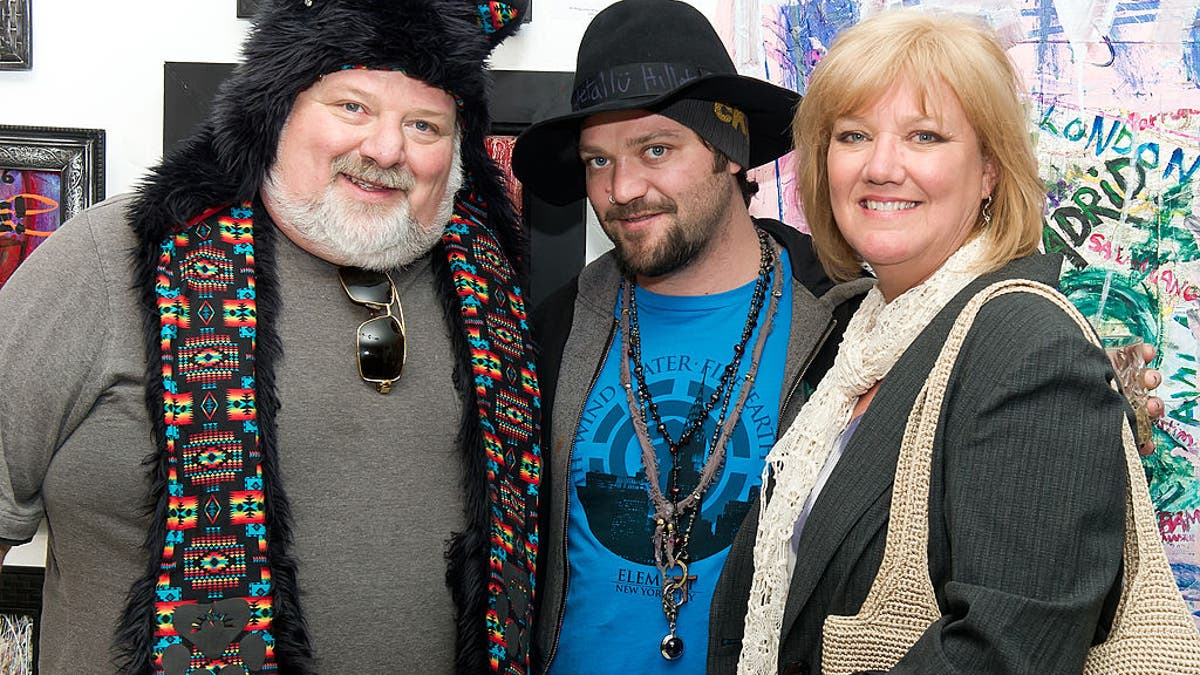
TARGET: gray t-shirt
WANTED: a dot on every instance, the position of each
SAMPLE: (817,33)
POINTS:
(375,482)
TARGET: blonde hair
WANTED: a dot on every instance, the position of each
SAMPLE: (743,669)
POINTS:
(925,49)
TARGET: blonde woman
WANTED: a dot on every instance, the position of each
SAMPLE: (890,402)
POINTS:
(915,158)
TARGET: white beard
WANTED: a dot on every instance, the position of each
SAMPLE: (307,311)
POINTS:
(371,236)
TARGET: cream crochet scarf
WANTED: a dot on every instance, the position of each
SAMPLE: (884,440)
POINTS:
(876,336)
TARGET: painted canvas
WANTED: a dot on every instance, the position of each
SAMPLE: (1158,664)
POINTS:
(500,149)
(16,644)
(1114,88)
(20,608)
(29,212)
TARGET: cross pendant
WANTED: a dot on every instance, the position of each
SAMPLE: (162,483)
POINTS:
(682,584)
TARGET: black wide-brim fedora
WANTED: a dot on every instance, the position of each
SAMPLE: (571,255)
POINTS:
(643,55)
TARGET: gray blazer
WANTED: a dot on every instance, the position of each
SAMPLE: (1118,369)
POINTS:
(1026,502)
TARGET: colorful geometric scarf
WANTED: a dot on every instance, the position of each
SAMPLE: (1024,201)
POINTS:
(224,598)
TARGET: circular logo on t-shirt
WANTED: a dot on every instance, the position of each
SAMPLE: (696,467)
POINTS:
(611,479)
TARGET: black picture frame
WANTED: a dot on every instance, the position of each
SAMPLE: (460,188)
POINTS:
(246,8)
(20,617)
(48,175)
(16,51)
(78,154)
(557,234)
(519,98)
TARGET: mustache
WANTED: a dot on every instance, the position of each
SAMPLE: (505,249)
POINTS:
(396,178)
(639,207)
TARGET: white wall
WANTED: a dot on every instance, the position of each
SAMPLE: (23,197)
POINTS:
(100,65)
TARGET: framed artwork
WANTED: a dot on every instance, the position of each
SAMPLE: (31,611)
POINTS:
(47,175)
(20,610)
(15,51)
(557,234)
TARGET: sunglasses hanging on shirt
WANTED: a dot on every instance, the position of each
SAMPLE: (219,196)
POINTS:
(381,338)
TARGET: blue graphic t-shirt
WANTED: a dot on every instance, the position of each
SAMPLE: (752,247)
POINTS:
(614,620)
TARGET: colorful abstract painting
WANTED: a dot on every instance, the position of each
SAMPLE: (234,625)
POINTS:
(1114,90)
(29,212)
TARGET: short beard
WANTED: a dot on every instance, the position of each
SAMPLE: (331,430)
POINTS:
(706,208)
(372,236)
(672,254)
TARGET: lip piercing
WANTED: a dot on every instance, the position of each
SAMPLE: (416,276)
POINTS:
(611,200)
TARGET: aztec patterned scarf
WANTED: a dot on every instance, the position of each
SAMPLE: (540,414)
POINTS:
(221,598)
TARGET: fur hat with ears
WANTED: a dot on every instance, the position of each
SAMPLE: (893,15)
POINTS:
(444,43)
(294,42)
(291,44)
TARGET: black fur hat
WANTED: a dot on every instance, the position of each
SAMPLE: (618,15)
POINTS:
(293,42)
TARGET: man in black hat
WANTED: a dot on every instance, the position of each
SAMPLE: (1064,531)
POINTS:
(278,407)
(671,364)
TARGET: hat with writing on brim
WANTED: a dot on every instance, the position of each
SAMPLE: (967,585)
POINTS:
(644,55)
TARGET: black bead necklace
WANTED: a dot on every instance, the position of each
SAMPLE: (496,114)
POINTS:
(670,539)
(700,409)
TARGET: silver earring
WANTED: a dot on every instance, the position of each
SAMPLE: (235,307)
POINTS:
(612,200)
(987,212)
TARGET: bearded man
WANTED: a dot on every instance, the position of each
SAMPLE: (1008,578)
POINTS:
(287,411)
(670,364)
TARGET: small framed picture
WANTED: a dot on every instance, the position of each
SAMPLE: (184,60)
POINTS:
(15,50)
(47,175)
(246,8)
(20,609)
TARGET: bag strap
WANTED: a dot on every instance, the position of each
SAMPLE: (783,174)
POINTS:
(905,562)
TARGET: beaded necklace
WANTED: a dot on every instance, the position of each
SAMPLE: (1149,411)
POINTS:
(670,539)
